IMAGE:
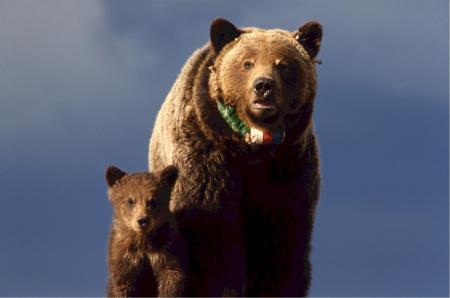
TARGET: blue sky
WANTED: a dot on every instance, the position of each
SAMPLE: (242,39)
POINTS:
(81,83)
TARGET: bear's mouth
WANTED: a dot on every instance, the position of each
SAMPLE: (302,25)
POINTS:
(263,108)
(262,112)
(263,105)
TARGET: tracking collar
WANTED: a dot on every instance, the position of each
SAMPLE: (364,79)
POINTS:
(252,135)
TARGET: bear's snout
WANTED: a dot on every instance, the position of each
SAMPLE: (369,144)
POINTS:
(143,222)
(263,87)
(263,104)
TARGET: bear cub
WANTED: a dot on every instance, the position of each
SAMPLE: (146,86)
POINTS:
(147,254)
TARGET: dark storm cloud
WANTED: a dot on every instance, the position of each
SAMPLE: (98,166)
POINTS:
(81,83)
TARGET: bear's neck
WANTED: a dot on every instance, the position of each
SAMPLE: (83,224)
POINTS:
(251,135)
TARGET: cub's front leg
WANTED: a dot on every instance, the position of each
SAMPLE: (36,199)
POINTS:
(123,279)
(170,267)
(130,274)
(171,283)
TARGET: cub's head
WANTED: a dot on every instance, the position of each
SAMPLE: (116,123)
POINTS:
(268,76)
(141,200)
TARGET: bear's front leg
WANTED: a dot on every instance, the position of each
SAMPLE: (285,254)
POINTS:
(170,268)
(171,283)
(125,280)
(278,253)
(298,280)
(130,274)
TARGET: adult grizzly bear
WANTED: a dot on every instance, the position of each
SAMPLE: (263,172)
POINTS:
(238,125)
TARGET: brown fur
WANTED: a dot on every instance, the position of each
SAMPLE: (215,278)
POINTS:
(249,209)
(144,260)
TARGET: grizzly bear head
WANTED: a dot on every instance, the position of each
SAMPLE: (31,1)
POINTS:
(140,200)
(267,76)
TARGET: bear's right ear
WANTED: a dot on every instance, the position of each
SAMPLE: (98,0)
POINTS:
(113,174)
(221,33)
(310,36)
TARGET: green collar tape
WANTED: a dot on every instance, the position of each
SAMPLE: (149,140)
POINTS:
(228,113)
(252,135)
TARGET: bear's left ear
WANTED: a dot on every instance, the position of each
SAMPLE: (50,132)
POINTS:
(113,174)
(222,32)
(310,36)
(169,175)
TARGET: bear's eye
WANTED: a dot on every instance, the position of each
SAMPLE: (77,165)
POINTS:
(248,64)
(283,66)
(130,201)
(152,203)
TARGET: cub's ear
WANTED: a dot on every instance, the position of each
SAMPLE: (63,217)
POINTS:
(222,32)
(310,36)
(113,174)
(169,175)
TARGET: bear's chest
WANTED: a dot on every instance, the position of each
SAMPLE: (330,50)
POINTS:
(230,180)
(271,187)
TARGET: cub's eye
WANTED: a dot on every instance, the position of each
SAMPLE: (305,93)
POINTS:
(248,64)
(130,201)
(152,203)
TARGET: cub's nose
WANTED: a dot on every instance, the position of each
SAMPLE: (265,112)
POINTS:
(263,86)
(143,222)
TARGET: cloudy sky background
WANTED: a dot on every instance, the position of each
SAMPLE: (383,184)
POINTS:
(81,83)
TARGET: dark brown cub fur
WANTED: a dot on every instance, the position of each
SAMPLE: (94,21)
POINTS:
(146,252)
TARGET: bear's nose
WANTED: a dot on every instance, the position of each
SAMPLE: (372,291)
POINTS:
(143,221)
(263,86)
